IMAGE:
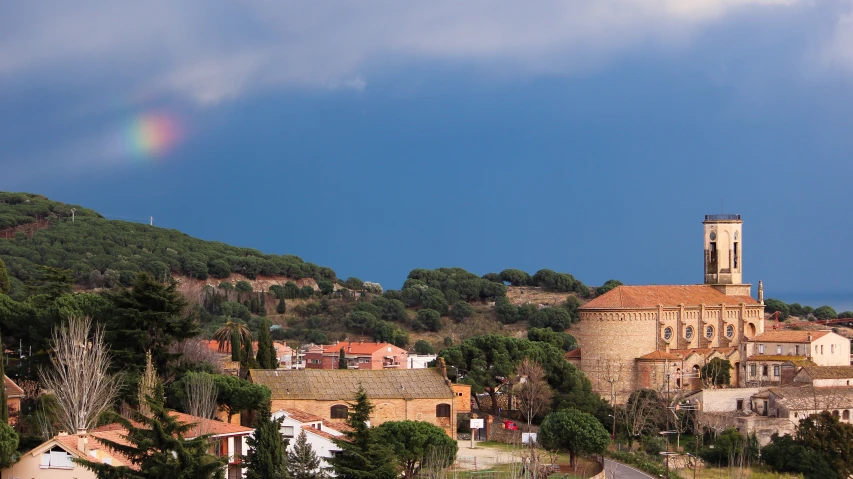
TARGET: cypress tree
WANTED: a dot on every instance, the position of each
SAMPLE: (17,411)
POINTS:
(342,360)
(249,361)
(281,308)
(266,351)
(267,457)
(5,286)
(302,461)
(236,347)
(363,455)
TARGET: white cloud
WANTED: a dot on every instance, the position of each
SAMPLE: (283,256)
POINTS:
(214,50)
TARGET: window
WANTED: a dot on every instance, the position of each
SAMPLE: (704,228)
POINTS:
(821,349)
(315,361)
(712,257)
(730,331)
(442,410)
(340,411)
(832,348)
(688,333)
(845,415)
(797,350)
(735,255)
(776,370)
(287,431)
(739,405)
(764,370)
(709,332)
(760,349)
(752,370)
(667,333)
(778,349)
(56,458)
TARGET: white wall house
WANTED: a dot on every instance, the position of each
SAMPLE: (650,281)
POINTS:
(319,433)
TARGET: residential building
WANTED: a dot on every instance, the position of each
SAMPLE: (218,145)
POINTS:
(14,396)
(319,433)
(775,357)
(397,394)
(421,361)
(825,376)
(359,355)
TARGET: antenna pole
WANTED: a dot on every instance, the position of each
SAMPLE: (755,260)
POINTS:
(151,220)
(72,214)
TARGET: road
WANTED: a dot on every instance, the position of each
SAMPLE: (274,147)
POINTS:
(616,470)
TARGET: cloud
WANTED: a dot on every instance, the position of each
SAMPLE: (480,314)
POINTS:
(211,51)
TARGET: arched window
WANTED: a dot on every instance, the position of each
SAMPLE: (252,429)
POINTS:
(688,333)
(845,415)
(709,332)
(442,410)
(340,411)
(667,333)
(730,331)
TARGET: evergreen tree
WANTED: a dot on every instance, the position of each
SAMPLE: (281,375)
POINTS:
(281,308)
(8,446)
(157,444)
(267,457)
(148,386)
(363,455)
(248,360)
(4,405)
(5,286)
(302,461)
(342,360)
(236,348)
(266,351)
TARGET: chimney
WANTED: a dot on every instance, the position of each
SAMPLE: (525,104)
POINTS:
(760,292)
(82,441)
(810,337)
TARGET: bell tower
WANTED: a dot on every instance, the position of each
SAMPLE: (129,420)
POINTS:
(724,254)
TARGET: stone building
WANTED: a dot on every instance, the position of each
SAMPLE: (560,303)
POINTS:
(639,336)
(359,355)
(775,357)
(397,394)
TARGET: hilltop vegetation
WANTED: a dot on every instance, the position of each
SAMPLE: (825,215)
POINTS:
(22,208)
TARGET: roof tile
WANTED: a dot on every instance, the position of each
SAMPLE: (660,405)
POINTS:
(789,336)
(342,384)
(633,297)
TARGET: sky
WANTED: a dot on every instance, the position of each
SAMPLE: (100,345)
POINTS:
(376,137)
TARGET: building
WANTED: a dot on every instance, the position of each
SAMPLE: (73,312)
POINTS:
(397,394)
(53,459)
(288,358)
(14,396)
(825,376)
(359,355)
(420,361)
(635,337)
(775,357)
(319,433)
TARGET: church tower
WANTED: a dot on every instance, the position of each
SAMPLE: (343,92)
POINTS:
(724,254)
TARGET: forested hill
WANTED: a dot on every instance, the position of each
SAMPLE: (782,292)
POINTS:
(106,253)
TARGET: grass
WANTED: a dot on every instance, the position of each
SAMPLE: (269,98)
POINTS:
(758,472)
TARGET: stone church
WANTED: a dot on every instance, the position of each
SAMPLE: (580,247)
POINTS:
(647,336)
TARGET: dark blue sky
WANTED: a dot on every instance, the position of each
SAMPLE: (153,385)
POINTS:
(375,139)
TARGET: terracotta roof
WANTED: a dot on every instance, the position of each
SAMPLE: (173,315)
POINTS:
(812,398)
(574,353)
(69,443)
(337,426)
(634,297)
(352,347)
(302,416)
(12,389)
(829,372)
(788,336)
(212,426)
(660,356)
(320,433)
(213,345)
(342,384)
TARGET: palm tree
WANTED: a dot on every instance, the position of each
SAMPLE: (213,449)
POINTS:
(234,334)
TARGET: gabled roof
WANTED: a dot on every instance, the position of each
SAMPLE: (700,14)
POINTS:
(342,384)
(320,433)
(12,389)
(660,356)
(829,372)
(302,416)
(811,398)
(360,347)
(68,442)
(788,336)
(214,427)
(636,297)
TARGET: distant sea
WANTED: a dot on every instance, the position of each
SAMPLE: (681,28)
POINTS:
(839,301)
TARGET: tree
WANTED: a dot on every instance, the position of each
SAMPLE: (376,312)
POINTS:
(845,314)
(158,446)
(5,286)
(717,372)
(342,360)
(826,434)
(560,339)
(416,443)
(363,456)
(326,286)
(506,311)
(557,319)
(8,445)
(247,357)
(461,310)
(531,390)
(354,283)
(302,461)
(80,374)
(515,277)
(786,454)
(267,358)
(825,312)
(607,286)
(233,333)
(267,457)
(4,400)
(423,347)
(773,305)
(200,401)
(148,386)
(574,431)
(429,319)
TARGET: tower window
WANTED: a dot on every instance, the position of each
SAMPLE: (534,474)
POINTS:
(730,331)
(712,256)
(709,332)
(735,254)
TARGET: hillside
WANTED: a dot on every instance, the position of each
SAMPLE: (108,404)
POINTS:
(307,301)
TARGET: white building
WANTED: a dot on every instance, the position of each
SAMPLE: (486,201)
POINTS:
(319,432)
(421,361)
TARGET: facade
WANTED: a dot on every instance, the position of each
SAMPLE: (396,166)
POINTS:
(775,357)
(641,336)
(397,394)
(319,433)
(359,355)
(420,361)
(14,396)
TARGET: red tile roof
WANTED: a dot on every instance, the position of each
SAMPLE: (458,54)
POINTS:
(633,297)
(302,416)
(787,336)
(319,433)
(69,442)
(337,426)
(12,389)
(574,353)
(212,426)
(352,347)
(660,356)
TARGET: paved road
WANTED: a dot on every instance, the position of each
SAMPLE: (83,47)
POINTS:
(617,470)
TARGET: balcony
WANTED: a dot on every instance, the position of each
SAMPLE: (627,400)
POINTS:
(722,217)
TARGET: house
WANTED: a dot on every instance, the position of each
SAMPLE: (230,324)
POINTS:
(397,394)
(319,432)
(288,358)
(775,357)
(796,403)
(825,376)
(14,395)
(53,459)
(359,355)
(420,361)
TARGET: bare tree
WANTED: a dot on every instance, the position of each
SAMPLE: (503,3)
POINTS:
(639,413)
(196,351)
(532,391)
(80,378)
(201,399)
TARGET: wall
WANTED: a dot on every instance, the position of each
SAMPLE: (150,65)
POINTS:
(29,468)
(462,393)
(831,350)
(725,400)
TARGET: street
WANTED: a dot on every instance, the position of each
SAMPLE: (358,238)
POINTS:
(617,470)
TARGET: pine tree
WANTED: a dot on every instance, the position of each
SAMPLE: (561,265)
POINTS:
(5,286)
(4,404)
(281,308)
(302,461)
(362,456)
(267,458)
(266,351)
(342,360)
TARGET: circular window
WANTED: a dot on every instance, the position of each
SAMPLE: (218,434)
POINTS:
(709,332)
(688,333)
(713,236)
(667,333)
(730,331)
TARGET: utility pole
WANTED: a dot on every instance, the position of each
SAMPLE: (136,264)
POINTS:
(72,214)
(151,220)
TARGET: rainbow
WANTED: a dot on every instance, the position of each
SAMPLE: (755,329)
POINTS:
(152,135)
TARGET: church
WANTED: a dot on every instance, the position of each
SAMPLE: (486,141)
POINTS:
(660,336)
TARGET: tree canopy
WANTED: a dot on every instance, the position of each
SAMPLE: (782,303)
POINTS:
(573,431)
(417,443)
(363,456)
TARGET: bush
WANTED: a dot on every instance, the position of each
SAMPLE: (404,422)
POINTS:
(506,311)
(423,347)
(461,311)
(429,319)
